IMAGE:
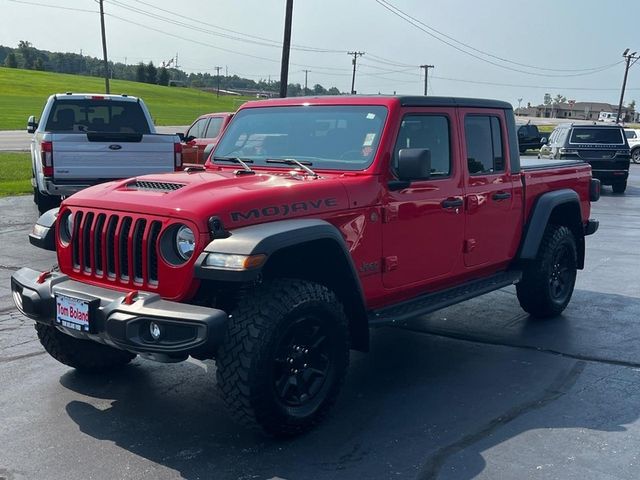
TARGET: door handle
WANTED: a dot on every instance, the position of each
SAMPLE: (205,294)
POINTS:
(501,196)
(452,203)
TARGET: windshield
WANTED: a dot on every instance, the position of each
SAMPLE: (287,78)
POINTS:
(88,115)
(327,137)
(597,135)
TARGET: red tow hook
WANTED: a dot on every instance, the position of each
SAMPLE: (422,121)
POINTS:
(130,297)
(43,276)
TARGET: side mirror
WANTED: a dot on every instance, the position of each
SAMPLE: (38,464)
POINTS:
(180,136)
(414,164)
(32,124)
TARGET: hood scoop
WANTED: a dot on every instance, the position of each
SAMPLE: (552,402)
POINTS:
(154,186)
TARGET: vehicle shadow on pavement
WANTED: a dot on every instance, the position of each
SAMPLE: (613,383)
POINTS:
(420,405)
(631,191)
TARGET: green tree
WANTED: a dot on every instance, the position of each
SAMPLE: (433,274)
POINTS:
(11,61)
(141,73)
(559,99)
(333,91)
(152,73)
(27,52)
(163,76)
(319,89)
(39,64)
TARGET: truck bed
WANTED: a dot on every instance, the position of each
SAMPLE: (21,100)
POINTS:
(541,176)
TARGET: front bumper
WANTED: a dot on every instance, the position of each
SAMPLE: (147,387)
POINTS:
(185,329)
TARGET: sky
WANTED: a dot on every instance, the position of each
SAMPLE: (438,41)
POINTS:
(503,49)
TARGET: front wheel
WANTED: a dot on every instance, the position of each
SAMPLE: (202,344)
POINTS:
(635,155)
(45,202)
(547,283)
(284,356)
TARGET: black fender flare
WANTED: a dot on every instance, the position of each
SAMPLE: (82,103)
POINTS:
(539,219)
(274,237)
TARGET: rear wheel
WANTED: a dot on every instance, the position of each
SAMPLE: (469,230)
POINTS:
(83,355)
(45,202)
(635,155)
(547,283)
(619,187)
(284,356)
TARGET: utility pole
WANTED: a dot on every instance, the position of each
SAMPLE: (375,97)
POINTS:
(176,63)
(306,72)
(286,47)
(519,102)
(426,77)
(353,62)
(628,57)
(104,50)
(218,79)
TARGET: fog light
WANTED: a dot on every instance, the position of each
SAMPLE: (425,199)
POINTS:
(154,330)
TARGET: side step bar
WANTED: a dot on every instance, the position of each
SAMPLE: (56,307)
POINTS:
(431,302)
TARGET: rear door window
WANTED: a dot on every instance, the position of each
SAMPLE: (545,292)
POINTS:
(213,129)
(88,115)
(485,153)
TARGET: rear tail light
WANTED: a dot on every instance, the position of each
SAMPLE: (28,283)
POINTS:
(177,155)
(594,190)
(46,156)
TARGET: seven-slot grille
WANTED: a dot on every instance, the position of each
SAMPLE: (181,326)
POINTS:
(118,247)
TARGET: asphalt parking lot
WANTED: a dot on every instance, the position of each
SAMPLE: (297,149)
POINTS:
(478,390)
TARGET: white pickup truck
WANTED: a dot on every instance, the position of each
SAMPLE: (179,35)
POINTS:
(85,139)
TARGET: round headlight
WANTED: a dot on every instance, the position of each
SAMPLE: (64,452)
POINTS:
(66,228)
(185,242)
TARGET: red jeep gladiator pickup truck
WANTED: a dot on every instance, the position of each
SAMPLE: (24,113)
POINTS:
(314,220)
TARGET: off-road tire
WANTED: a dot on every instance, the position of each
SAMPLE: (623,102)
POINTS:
(46,202)
(248,361)
(556,262)
(84,355)
(619,187)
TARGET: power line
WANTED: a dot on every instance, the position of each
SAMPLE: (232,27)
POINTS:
(237,35)
(60,7)
(426,29)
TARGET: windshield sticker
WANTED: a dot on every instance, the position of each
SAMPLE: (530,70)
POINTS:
(368,139)
(371,116)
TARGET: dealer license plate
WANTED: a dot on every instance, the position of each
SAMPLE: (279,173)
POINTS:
(72,313)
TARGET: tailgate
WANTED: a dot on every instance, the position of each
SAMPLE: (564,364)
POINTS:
(80,156)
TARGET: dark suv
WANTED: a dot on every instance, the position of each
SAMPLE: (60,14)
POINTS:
(604,147)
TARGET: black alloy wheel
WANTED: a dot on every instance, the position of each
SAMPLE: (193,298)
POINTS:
(304,363)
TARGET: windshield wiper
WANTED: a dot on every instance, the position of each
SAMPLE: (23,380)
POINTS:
(243,163)
(293,161)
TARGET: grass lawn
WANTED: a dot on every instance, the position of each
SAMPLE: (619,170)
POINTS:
(15,174)
(24,93)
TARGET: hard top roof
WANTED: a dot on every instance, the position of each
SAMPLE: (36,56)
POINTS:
(403,100)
